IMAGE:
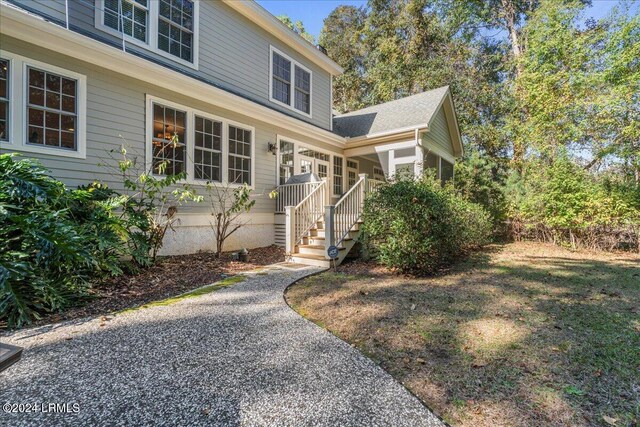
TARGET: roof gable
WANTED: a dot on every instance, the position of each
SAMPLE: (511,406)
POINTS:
(401,115)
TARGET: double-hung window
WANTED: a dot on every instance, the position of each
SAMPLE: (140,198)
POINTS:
(4,99)
(303,90)
(281,85)
(168,27)
(169,143)
(239,155)
(175,28)
(207,148)
(291,83)
(130,17)
(51,109)
(207,159)
(338,175)
(42,107)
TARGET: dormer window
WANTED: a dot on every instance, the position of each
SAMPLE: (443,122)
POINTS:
(167,27)
(290,83)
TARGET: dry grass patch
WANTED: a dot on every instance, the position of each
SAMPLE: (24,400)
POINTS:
(520,335)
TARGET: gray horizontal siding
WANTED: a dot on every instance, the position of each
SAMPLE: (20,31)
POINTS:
(438,134)
(233,52)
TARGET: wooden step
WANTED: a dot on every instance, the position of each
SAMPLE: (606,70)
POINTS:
(318,250)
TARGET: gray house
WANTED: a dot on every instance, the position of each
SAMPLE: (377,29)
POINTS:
(250,100)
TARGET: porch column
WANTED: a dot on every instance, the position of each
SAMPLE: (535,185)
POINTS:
(290,228)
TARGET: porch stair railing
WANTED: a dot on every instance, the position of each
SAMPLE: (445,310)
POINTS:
(304,216)
(292,194)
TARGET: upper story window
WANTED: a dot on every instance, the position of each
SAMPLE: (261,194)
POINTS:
(127,16)
(303,90)
(175,28)
(168,27)
(290,83)
(4,100)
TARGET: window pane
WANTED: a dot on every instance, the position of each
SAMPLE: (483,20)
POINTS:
(337,175)
(239,155)
(51,111)
(168,153)
(4,99)
(175,28)
(447,171)
(207,156)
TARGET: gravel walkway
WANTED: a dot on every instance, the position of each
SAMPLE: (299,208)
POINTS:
(238,356)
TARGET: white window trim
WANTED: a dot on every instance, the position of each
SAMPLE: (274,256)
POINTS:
(18,96)
(292,96)
(378,173)
(415,159)
(190,142)
(296,166)
(152,32)
(344,175)
(10,58)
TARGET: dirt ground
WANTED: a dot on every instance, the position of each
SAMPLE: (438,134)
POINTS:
(524,334)
(170,276)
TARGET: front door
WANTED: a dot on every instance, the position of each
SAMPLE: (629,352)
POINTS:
(310,165)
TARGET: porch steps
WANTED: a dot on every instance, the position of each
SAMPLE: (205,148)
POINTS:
(311,250)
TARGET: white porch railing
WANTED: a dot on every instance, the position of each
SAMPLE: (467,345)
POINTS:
(292,194)
(340,218)
(305,215)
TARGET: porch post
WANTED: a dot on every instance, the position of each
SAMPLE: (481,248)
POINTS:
(327,191)
(329,227)
(290,228)
(365,185)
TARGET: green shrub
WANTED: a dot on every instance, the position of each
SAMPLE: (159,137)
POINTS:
(564,204)
(480,180)
(52,241)
(417,226)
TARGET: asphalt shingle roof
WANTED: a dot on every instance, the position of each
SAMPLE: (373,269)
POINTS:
(405,112)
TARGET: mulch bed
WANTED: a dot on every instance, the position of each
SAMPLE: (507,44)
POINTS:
(170,276)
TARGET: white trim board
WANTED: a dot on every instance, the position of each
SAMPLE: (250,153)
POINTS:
(18,95)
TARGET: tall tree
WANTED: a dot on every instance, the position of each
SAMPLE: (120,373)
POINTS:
(297,27)
(342,36)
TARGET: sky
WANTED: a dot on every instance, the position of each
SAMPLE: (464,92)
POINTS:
(313,12)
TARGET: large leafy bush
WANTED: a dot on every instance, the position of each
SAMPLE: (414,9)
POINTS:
(52,241)
(564,204)
(417,226)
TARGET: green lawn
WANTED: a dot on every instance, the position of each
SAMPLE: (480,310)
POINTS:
(523,334)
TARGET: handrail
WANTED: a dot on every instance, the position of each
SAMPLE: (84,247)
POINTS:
(348,210)
(292,194)
(305,215)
